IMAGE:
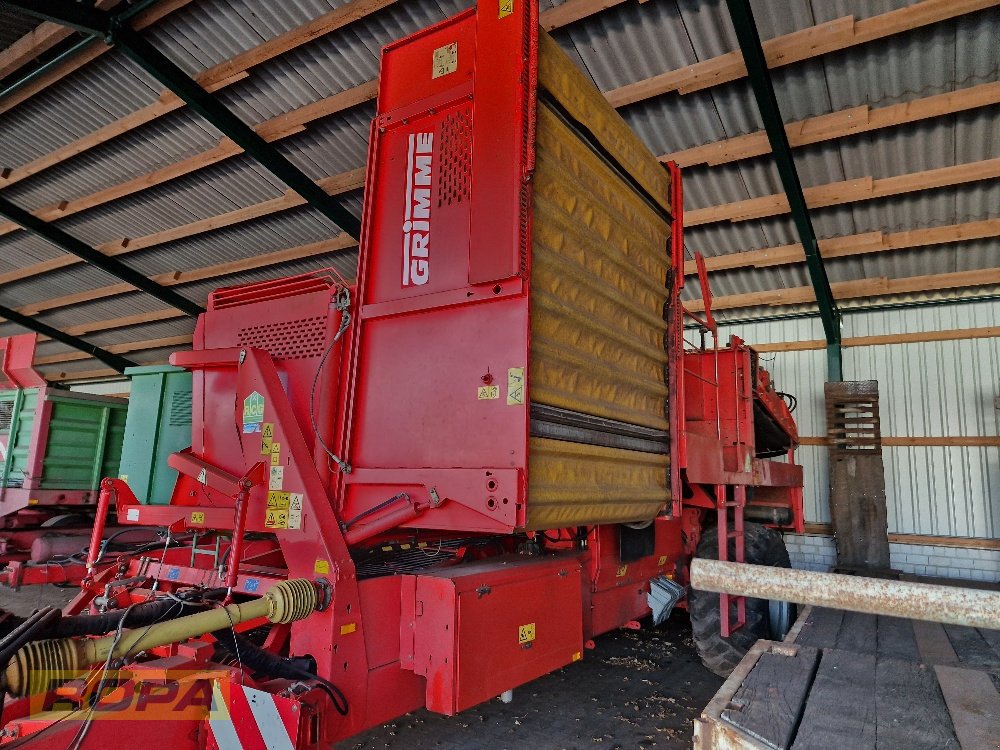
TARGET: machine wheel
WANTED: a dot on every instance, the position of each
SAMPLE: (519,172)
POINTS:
(765,619)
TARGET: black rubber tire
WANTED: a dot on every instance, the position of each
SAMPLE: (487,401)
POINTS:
(764,546)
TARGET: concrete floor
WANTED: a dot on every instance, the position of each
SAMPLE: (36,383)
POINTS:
(25,601)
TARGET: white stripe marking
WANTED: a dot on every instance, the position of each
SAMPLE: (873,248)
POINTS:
(222,727)
(269,721)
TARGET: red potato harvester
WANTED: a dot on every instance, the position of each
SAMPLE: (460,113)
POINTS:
(441,483)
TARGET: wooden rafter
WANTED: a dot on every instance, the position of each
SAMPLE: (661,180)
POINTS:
(888,339)
(235,69)
(804,44)
(854,244)
(133,346)
(847,191)
(877,287)
(271,130)
(845,122)
(347,181)
(145,19)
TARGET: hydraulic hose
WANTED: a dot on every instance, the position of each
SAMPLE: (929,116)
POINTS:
(138,616)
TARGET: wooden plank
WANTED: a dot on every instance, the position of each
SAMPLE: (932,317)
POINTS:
(40,39)
(851,245)
(770,701)
(804,44)
(844,680)
(916,441)
(872,287)
(571,11)
(858,633)
(891,339)
(972,649)
(825,529)
(910,711)
(896,639)
(271,130)
(147,18)
(974,705)
(334,185)
(175,278)
(847,191)
(821,628)
(132,346)
(839,124)
(933,643)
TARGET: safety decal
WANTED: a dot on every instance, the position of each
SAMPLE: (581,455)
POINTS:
(322,567)
(515,386)
(348,628)
(277,510)
(197,517)
(445,60)
(295,510)
(489,392)
(526,633)
(203,476)
(620,573)
(277,478)
(253,409)
(663,560)
(506,8)
(132,514)
(275,454)
(266,435)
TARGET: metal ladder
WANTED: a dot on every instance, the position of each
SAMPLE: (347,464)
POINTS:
(726,601)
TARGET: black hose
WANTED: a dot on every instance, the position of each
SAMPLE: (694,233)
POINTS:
(140,615)
(270,664)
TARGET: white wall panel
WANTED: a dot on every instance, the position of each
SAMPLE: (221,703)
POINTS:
(931,389)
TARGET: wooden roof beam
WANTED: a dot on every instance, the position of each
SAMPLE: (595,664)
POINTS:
(344,182)
(236,69)
(889,339)
(843,123)
(271,130)
(848,191)
(133,346)
(145,19)
(850,245)
(176,278)
(875,287)
(831,36)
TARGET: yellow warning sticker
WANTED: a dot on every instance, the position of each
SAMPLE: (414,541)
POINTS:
(515,386)
(577,656)
(445,60)
(506,8)
(322,567)
(663,560)
(275,454)
(621,571)
(348,628)
(277,499)
(276,519)
(526,633)
(489,392)
(266,436)
(197,517)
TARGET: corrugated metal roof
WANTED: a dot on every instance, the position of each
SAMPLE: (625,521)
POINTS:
(615,47)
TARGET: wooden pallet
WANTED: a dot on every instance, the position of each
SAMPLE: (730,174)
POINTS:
(848,681)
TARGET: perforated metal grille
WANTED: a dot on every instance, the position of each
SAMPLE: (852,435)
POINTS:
(6,415)
(456,157)
(180,409)
(292,339)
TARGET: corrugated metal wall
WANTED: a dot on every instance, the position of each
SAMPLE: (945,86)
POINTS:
(932,389)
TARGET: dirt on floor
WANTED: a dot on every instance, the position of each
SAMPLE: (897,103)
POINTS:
(637,689)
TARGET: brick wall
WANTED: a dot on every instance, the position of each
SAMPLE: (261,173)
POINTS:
(810,552)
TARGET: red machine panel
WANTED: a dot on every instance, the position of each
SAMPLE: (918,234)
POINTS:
(477,630)
(443,280)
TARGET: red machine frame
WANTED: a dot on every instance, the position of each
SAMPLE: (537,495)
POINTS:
(332,491)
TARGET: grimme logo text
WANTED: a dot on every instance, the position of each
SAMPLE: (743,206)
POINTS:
(417,217)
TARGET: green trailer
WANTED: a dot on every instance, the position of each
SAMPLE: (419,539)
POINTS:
(158,424)
(55,445)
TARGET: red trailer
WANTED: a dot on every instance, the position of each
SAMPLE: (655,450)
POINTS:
(438,484)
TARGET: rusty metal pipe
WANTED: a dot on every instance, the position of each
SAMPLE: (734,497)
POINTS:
(954,605)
